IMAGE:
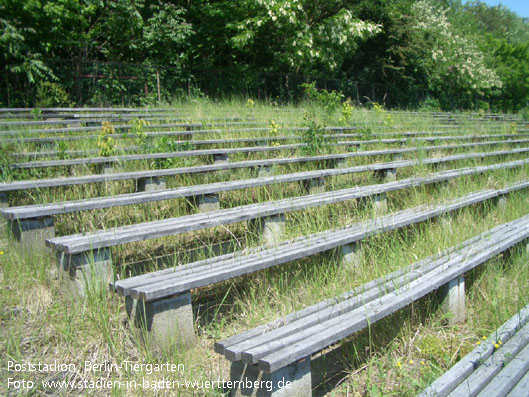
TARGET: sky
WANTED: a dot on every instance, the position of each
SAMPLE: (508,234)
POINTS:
(521,7)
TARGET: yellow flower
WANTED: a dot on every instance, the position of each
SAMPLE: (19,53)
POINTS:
(478,343)
(422,362)
(1,252)
(411,361)
(496,345)
(484,337)
(499,342)
(398,364)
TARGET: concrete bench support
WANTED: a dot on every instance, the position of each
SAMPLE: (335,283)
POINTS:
(387,175)
(380,204)
(352,255)
(32,233)
(502,202)
(293,380)
(163,322)
(151,184)
(314,186)
(4,201)
(271,228)
(338,163)
(454,299)
(220,158)
(105,168)
(264,170)
(206,202)
(86,269)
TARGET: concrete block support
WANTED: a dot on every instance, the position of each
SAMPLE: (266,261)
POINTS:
(502,203)
(4,201)
(104,168)
(163,322)
(206,202)
(314,185)
(380,204)
(387,175)
(32,233)
(338,163)
(151,184)
(398,157)
(352,255)
(293,380)
(220,158)
(90,269)
(265,170)
(453,295)
(271,228)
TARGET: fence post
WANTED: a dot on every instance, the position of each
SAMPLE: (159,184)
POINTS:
(158,85)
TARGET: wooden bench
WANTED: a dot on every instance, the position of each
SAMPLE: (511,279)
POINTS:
(282,349)
(98,119)
(159,293)
(489,370)
(76,251)
(96,128)
(266,164)
(227,151)
(32,224)
(262,140)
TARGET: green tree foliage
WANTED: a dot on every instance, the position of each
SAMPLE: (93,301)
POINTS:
(456,54)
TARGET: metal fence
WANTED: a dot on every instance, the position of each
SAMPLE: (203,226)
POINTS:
(110,84)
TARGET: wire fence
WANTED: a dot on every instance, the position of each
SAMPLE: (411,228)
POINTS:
(91,83)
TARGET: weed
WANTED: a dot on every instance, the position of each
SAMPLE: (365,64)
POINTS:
(105,142)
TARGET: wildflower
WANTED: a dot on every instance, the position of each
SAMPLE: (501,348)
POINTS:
(1,252)
(398,364)
(411,361)
(484,337)
(422,362)
(478,343)
(496,346)
(499,342)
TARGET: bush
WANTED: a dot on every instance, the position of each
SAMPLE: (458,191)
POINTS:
(314,139)
(51,94)
(330,101)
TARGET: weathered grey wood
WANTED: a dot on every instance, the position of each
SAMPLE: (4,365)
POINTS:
(483,374)
(167,282)
(315,178)
(447,382)
(515,368)
(138,232)
(267,344)
(520,390)
(98,118)
(387,281)
(474,252)
(210,152)
(318,337)
(55,182)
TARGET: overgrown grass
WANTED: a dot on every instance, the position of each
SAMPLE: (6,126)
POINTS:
(40,322)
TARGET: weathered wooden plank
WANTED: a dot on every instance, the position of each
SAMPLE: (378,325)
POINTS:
(148,230)
(509,376)
(520,390)
(32,211)
(269,345)
(484,373)
(342,326)
(41,183)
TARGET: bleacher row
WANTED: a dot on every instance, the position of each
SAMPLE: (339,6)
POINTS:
(159,303)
